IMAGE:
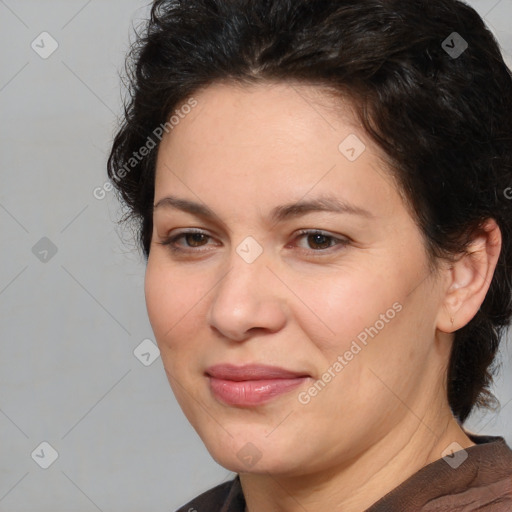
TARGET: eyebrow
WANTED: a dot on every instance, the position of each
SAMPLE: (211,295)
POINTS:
(326,203)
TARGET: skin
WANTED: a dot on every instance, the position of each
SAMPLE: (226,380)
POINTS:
(243,151)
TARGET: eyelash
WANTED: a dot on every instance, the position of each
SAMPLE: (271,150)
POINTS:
(171,241)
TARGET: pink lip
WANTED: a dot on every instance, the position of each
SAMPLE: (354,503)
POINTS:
(251,384)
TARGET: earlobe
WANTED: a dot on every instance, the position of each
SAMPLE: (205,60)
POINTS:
(469,278)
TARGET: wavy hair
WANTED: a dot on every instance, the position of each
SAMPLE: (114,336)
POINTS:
(440,111)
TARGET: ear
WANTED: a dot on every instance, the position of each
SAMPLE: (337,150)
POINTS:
(469,278)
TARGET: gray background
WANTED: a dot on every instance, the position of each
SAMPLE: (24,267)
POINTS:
(70,321)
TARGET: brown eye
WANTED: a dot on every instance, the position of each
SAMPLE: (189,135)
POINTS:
(193,240)
(319,242)
(318,239)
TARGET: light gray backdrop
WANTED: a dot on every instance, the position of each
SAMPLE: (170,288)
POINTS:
(72,311)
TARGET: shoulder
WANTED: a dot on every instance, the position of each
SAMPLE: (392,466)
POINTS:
(491,456)
(477,478)
(224,497)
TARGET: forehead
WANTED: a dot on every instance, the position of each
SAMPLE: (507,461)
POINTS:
(269,111)
(266,140)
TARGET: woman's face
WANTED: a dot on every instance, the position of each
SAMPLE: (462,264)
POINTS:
(350,311)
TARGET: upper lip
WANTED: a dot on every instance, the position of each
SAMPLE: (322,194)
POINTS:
(252,372)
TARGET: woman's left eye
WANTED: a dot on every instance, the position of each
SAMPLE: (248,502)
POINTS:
(318,239)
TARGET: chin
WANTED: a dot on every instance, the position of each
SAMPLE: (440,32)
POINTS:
(255,466)
(247,453)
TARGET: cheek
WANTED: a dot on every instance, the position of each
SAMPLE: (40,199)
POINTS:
(368,314)
(382,335)
(173,304)
(171,301)
(345,305)
(376,320)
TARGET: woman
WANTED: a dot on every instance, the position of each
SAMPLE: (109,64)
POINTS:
(319,188)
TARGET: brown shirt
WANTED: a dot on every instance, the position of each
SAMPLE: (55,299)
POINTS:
(482,482)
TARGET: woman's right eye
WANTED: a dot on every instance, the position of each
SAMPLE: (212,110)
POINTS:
(193,239)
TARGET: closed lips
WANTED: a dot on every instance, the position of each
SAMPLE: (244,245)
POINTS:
(252,372)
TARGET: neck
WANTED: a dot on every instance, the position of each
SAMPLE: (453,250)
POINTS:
(355,485)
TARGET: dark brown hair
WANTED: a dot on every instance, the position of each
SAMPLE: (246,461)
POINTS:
(429,84)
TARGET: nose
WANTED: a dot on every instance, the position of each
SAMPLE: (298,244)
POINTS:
(247,300)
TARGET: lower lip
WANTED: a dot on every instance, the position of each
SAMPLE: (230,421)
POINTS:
(252,392)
